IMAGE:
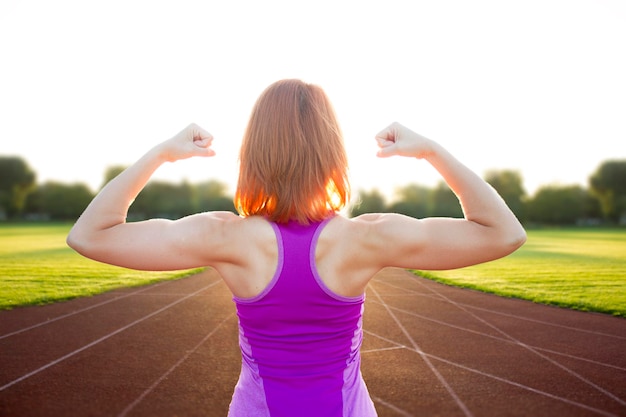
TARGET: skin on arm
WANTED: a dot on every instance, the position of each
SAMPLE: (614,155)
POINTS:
(101,233)
(488,231)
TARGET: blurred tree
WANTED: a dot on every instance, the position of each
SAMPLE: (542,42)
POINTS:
(17,179)
(412,200)
(560,205)
(213,196)
(510,186)
(163,199)
(444,202)
(608,183)
(57,201)
(369,202)
(592,209)
(112,172)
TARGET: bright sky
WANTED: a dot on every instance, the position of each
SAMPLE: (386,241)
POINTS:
(534,86)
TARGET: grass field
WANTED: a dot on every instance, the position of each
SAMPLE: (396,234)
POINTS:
(583,269)
(576,268)
(37,267)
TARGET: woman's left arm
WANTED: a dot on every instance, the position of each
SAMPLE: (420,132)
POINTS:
(101,233)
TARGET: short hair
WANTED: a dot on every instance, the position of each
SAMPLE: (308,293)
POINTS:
(293,163)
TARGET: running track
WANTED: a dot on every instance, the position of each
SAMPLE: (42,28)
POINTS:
(170,349)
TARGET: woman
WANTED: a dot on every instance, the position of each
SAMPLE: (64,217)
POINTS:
(296,268)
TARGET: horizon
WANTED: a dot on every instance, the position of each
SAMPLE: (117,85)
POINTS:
(534,87)
(389,195)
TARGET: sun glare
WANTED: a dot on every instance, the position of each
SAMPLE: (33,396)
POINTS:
(334,201)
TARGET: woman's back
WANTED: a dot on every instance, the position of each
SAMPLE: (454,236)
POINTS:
(343,257)
(299,340)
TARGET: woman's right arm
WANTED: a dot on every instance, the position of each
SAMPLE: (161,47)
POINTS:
(103,234)
(488,231)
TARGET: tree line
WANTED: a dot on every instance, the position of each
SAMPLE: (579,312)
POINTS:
(21,198)
(602,202)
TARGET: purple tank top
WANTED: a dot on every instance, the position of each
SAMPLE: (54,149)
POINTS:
(300,341)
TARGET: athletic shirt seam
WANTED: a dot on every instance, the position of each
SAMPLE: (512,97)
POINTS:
(316,275)
(277,273)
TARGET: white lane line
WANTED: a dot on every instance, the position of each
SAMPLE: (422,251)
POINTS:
(64,316)
(417,279)
(530,349)
(169,371)
(381,349)
(393,342)
(537,391)
(416,347)
(500,379)
(393,407)
(95,342)
(593,332)
(476,332)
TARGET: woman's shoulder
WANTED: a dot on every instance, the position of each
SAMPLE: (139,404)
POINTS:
(371,228)
(255,228)
(352,229)
(364,221)
(231,227)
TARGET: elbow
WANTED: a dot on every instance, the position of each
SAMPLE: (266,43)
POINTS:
(520,240)
(77,241)
(516,239)
(73,241)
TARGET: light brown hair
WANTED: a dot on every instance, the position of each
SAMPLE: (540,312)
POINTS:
(293,164)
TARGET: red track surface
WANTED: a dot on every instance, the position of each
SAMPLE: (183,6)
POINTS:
(430,350)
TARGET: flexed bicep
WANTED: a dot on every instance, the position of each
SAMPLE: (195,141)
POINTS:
(450,243)
(162,245)
(435,243)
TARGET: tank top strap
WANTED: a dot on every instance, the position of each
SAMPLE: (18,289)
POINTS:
(297,239)
(298,275)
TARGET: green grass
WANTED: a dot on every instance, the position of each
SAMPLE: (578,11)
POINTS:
(37,267)
(581,269)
